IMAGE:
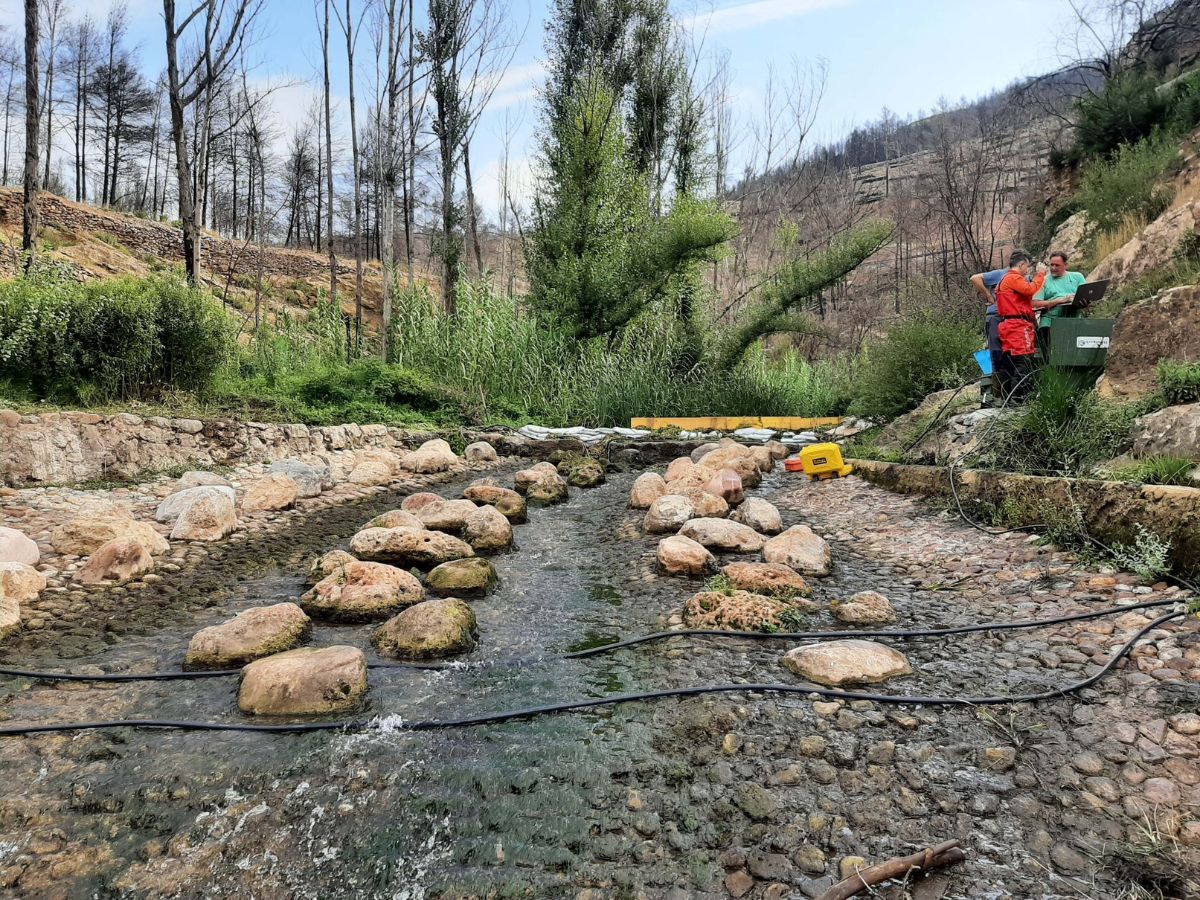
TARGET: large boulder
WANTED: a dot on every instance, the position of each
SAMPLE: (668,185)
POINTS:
(1165,326)
(20,582)
(172,507)
(727,485)
(97,525)
(431,456)
(679,555)
(695,477)
(706,504)
(703,450)
(273,491)
(679,467)
(304,682)
(527,478)
(748,470)
(362,592)
(508,502)
(471,577)
(668,514)
(739,611)
(429,630)
(448,515)
(251,634)
(1174,431)
(118,560)
(722,534)
(209,517)
(766,578)
(801,549)
(1071,237)
(327,564)
(480,452)
(838,663)
(902,431)
(311,478)
(548,490)
(200,479)
(647,488)
(487,529)
(15,547)
(725,455)
(413,503)
(760,515)
(408,546)
(778,450)
(1154,247)
(396,518)
(763,458)
(582,472)
(864,608)
(371,473)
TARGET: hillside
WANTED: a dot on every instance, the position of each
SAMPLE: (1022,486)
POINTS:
(98,243)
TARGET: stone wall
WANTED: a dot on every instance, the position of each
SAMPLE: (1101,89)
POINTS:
(70,447)
(1112,510)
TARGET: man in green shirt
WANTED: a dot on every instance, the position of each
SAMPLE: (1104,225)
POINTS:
(1058,292)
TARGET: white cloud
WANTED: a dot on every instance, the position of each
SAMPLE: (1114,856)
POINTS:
(743,16)
(518,84)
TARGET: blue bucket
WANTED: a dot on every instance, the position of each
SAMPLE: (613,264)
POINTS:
(984,359)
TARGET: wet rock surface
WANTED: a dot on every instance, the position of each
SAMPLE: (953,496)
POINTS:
(736,794)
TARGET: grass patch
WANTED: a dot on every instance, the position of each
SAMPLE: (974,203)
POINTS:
(1178,382)
(1158,470)
(1127,187)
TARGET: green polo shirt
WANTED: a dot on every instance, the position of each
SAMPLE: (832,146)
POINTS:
(1053,288)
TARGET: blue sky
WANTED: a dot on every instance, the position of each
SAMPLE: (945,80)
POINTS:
(880,53)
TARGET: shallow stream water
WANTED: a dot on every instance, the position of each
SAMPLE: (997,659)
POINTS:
(637,800)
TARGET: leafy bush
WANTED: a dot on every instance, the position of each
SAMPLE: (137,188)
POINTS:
(1128,183)
(1148,556)
(103,340)
(1129,109)
(1178,382)
(917,358)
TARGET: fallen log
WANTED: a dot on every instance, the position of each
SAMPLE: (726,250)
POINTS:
(945,854)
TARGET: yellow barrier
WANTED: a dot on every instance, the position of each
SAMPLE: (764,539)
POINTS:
(733,423)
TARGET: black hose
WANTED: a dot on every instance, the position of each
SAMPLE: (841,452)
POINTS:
(611,700)
(629,642)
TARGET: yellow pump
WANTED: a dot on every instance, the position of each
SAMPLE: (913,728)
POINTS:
(821,461)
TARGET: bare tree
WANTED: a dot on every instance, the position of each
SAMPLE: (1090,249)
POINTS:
(10,59)
(347,24)
(53,14)
(225,26)
(30,220)
(82,51)
(328,156)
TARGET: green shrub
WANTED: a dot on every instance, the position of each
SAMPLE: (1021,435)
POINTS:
(1178,382)
(917,358)
(1064,429)
(102,340)
(1128,183)
(1129,109)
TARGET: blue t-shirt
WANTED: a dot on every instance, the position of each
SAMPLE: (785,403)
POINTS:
(992,279)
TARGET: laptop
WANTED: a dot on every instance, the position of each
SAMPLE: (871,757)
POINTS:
(1089,293)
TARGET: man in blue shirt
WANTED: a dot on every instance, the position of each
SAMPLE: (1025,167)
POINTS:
(985,283)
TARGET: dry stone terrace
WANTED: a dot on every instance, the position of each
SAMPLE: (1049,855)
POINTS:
(726,795)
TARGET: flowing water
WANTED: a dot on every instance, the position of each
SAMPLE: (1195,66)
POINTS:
(637,800)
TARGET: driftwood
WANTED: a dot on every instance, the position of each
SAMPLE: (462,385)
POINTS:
(946,854)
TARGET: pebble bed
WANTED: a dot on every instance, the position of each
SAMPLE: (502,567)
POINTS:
(730,795)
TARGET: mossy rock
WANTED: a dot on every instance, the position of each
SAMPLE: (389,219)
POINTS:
(429,630)
(585,474)
(472,577)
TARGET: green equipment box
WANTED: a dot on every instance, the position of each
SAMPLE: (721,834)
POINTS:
(1079,343)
